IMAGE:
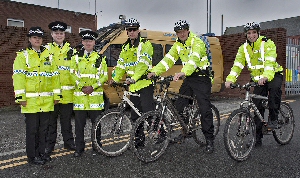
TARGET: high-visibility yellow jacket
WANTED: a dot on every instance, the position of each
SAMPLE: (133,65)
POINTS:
(260,58)
(62,57)
(135,60)
(36,80)
(192,54)
(88,71)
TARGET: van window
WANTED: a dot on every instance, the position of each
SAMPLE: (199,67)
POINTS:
(158,53)
(167,49)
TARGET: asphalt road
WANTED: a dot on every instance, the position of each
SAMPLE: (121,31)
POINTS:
(184,160)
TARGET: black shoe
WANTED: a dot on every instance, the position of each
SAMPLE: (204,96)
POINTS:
(48,151)
(258,142)
(78,153)
(273,125)
(46,157)
(178,139)
(71,147)
(209,146)
(139,142)
(36,161)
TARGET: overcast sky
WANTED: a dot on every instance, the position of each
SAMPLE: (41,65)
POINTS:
(162,14)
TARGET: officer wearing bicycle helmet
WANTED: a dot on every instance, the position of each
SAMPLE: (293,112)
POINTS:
(259,54)
(192,52)
(135,61)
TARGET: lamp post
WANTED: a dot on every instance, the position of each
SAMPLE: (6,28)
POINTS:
(96,14)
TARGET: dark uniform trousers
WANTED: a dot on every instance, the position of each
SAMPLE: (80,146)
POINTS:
(199,86)
(271,89)
(36,131)
(144,103)
(65,111)
(80,122)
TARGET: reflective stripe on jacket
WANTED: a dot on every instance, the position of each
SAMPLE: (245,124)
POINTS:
(260,58)
(88,71)
(36,80)
(62,57)
(192,54)
(136,61)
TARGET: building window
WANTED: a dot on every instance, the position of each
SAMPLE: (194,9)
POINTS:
(69,29)
(15,22)
(83,29)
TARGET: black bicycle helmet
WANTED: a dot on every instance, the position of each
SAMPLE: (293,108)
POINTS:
(180,25)
(132,23)
(251,26)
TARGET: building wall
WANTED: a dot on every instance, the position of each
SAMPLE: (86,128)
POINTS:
(34,15)
(292,25)
(230,45)
(13,39)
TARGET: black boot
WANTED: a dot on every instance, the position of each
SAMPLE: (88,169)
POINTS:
(46,157)
(36,160)
(209,146)
(258,142)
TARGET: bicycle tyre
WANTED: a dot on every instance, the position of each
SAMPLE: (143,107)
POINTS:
(149,148)
(114,134)
(284,134)
(198,134)
(170,115)
(239,137)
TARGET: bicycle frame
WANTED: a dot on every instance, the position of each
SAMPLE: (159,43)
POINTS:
(166,92)
(125,99)
(248,103)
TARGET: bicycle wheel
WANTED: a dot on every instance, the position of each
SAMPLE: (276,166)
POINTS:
(111,133)
(197,132)
(239,134)
(284,134)
(170,114)
(150,136)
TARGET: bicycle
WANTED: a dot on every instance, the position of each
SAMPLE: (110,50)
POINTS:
(160,125)
(240,130)
(111,130)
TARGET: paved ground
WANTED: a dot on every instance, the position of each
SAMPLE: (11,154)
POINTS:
(185,160)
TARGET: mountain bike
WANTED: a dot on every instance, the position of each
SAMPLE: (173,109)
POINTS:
(240,130)
(111,130)
(162,126)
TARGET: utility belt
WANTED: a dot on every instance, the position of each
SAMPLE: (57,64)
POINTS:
(207,73)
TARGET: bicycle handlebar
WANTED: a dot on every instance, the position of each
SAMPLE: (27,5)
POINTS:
(122,85)
(247,86)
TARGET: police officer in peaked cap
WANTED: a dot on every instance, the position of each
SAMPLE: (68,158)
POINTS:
(62,53)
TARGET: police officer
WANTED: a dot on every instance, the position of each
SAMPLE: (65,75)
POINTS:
(37,89)
(89,72)
(192,52)
(135,60)
(259,54)
(62,53)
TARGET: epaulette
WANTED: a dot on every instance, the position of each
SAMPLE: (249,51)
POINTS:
(265,39)
(21,50)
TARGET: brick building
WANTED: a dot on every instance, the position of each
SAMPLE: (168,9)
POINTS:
(27,15)
(13,38)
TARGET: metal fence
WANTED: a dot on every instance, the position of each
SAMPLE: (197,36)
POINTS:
(292,84)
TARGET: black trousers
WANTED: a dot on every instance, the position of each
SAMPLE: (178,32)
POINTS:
(36,131)
(271,89)
(144,103)
(80,122)
(200,86)
(65,111)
